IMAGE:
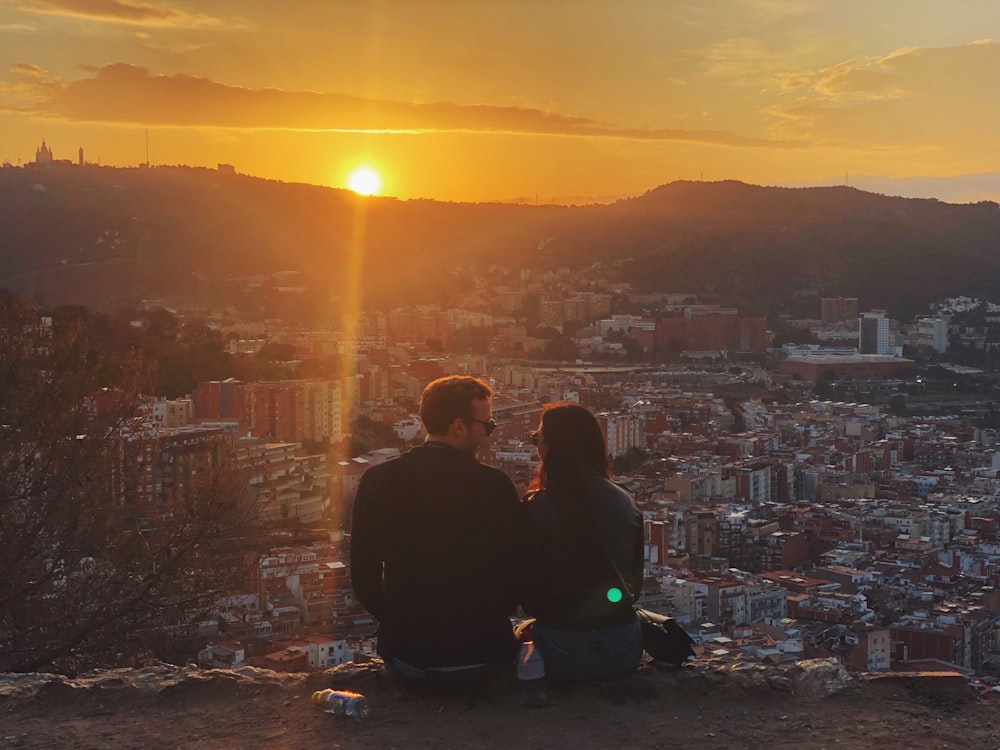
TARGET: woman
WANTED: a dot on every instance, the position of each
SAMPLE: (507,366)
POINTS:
(583,552)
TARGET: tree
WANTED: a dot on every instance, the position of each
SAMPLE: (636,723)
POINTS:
(92,575)
(275,352)
(824,384)
(368,434)
(471,339)
(629,461)
(897,405)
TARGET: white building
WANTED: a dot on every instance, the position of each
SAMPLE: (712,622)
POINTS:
(623,323)
(409,428)
(932,333)
(326,652)
(873,333)
(623,432)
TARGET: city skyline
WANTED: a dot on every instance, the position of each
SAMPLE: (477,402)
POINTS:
(565,102)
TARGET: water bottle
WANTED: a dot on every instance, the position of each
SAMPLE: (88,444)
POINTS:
(341,702)
(531,676)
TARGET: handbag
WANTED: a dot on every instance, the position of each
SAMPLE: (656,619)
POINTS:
(663,638)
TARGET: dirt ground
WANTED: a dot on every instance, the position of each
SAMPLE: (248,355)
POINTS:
(654,708)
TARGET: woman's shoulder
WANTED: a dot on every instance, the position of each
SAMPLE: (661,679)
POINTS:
(609,484)
(610,489)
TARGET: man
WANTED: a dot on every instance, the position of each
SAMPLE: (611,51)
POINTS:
(433,545)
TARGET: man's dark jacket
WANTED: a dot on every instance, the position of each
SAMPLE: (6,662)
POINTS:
(433,556)
(570,538)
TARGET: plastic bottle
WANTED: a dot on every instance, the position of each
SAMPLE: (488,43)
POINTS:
(531,676)
(341,702)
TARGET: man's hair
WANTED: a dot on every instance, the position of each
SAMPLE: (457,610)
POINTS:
(450,398)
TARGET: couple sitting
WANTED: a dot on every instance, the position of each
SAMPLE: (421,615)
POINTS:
(442,550)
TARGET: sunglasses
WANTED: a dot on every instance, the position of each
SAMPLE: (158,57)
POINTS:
(488,425)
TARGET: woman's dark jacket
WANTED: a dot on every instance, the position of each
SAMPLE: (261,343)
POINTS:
(569,532)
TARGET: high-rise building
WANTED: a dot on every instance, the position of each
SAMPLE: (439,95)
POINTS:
(598,305)
(933,333)
(220,399)
(707,332)
(550,313)
(623,432)
(574,308)
(873,333)
(295,410)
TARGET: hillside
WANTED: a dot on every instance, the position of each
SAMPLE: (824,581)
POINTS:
(108,237)
(781,249)
(702,706)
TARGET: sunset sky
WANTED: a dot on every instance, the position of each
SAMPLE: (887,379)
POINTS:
(563,100)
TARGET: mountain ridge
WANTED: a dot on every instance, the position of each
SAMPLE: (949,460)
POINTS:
(107,236)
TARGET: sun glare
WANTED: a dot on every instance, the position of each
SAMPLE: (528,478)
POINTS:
(365,181)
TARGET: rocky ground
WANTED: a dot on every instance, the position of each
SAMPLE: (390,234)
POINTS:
(705,706)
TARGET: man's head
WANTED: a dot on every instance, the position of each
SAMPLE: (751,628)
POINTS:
(456,410)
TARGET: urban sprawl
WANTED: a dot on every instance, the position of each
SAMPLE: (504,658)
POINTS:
(831,498)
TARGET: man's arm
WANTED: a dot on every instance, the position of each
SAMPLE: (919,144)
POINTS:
(506,538)
(367,534)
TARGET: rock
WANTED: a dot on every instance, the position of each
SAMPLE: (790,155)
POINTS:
(780,682)
(350,676)
(819,678)
(148,681)
(809,680)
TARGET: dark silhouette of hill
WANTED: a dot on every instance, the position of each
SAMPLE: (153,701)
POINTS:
(108,237)
(781,249)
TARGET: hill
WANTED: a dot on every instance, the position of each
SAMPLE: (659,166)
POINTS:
(108,237)
(782,249)
(718,707)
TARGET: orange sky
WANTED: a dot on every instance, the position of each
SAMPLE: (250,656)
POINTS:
(563,100)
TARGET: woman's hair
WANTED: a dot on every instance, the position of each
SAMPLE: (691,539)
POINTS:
(574,444)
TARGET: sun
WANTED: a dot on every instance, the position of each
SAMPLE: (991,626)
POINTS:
(364,181)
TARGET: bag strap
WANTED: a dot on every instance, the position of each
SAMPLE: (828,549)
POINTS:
(592,512)
(626,589)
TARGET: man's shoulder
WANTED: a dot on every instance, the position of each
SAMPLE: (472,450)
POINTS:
(496,476)
(387,469)
(447,461)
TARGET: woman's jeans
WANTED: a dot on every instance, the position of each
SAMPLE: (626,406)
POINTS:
(574,655)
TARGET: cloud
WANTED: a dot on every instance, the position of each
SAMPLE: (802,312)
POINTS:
(766,61)
(778,9)
(35,86)
(928,97)
(122,93)
(120,12)
(30,71)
